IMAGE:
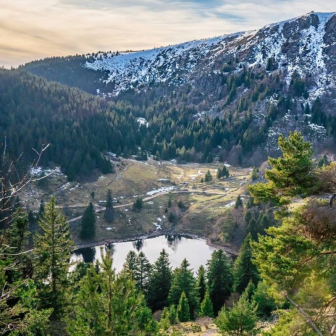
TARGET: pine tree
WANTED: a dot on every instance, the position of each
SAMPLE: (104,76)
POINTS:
(220,279)
(201,282)
(109,304)
(50,256)
(109,211)
(88,224)
(206,306)
(244,270)
(160,282)
(240,320)
(141,273)
(239,202)
(184,281)
(291,174)
(183,309)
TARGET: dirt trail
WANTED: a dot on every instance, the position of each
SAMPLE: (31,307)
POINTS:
(99,208)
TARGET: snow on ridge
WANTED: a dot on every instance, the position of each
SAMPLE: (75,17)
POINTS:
(127,70)
(174,64)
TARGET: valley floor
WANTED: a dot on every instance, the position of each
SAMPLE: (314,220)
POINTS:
(201,214)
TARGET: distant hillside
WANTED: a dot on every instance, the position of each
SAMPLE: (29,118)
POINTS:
(78,126)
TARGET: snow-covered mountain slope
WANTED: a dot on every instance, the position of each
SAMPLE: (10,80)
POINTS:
(305,45)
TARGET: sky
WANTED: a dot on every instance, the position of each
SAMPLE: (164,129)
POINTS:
(35,29)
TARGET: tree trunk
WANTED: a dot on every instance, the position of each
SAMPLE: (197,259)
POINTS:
(305,315)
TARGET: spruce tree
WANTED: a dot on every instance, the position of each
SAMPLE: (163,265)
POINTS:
(137,205)
(244,270)
(184,281)
(220,279)
(201,282)
(41,209)
(183,312)
(51,259)
(141,273)
(109,211)
(173,318)
(225,172)
(206,306)
(160,282)
(88,224)
(239,202)
(208,176)
(130,264)
(252,229)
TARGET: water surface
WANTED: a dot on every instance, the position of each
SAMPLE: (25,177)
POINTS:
(196,251)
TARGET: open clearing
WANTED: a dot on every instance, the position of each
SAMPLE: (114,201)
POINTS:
(204,204)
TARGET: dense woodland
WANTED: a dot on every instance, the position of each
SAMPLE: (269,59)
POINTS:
(80,127)
(284,272)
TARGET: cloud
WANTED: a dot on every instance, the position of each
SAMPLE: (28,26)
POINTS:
(33,29)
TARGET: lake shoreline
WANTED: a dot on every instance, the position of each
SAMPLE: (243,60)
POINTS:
(155,234)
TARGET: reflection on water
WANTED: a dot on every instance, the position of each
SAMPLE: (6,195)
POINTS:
(196,251)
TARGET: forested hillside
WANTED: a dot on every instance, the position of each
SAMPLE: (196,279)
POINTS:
(245,88)
(78,126)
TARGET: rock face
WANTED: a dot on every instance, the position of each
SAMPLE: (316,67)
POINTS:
(304,45)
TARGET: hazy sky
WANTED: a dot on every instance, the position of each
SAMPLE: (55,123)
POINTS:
(34,29)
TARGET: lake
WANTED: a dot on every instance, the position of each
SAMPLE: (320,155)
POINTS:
(196,251)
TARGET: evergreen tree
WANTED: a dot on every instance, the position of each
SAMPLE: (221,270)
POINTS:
(201,282)
(88,224)
(206,306)
(183,309)
(244,270)
(225,172)
(240,320)
(41,209)
(239,202)
(220,279)
(219,174)
(292,174)
(17,238)
(138,204)
(323,161)
(141,273)
(184,281)
(252,229)
(51,255)
(109,211)
(266,304)
(254,174)
(109,304)
(160,282)
(208,176)
(131,263)
(173,318)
